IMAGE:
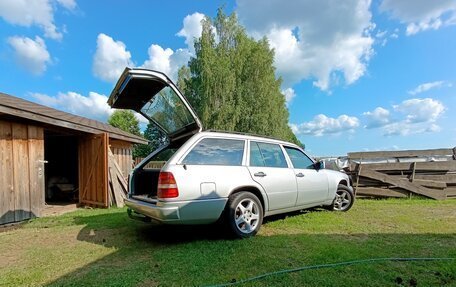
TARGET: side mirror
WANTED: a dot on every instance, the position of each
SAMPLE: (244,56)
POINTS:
(319,165)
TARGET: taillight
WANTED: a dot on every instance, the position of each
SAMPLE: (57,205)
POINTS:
(167,187)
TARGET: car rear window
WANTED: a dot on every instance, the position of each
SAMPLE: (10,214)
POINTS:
(211,151)
(159,159)
(266,154)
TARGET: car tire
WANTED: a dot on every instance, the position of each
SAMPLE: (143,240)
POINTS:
(343,200)
(243,214)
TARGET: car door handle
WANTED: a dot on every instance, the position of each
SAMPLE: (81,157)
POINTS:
(260,174)
(300,174)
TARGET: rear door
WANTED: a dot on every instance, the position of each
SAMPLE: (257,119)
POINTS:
(312,183)
(155,96)
(269,168)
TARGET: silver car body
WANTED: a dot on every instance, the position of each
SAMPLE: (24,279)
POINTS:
(204,189)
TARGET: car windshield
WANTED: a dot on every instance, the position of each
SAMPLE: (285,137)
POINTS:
(168,110)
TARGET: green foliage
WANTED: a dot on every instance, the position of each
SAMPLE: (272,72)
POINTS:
(156,138)
(231,81)
(125,120)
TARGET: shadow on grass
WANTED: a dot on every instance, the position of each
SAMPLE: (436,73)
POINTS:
(148,255)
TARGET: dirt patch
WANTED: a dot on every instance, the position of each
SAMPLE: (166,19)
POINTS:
(10,226)
(58,209)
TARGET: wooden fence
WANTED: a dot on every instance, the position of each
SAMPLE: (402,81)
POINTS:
(429,173)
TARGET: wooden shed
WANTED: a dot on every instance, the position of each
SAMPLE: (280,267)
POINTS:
(48,156)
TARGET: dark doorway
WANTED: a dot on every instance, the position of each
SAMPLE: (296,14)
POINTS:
(61,169)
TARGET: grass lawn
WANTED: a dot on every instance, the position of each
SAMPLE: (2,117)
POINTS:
(106,248)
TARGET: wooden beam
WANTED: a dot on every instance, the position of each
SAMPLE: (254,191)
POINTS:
(402,153)
(428,183)
(420,166)
(451,191)
(410,186)
(382,192)
(449,178)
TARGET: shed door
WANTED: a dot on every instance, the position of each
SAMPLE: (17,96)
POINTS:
(21,172)
(93,170)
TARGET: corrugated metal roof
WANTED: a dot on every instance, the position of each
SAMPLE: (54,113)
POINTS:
(25,109)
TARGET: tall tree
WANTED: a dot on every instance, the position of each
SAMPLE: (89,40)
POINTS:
(125,120)
(231,81)
(156,138)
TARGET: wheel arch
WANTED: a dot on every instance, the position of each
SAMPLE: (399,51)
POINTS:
(255,190)
(344,182)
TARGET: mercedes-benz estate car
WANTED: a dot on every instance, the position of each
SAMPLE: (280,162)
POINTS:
(200,177)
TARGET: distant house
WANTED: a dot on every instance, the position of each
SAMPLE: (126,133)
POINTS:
(43,148)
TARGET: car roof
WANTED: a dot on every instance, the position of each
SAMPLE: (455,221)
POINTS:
(247,136)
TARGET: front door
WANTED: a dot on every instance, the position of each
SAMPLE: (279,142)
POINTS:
(312,183)
(269,168)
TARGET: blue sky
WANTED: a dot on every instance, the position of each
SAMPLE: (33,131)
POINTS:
(358,75)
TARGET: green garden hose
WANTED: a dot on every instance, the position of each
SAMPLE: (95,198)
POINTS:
(320,266)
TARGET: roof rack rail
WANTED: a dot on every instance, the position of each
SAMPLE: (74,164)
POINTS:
(244,134)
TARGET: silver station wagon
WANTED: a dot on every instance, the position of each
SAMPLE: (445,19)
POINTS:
(201,177)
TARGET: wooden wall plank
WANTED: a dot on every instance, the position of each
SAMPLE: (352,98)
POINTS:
(410,186)
(21,172)
(123,156)
(381,192)
(434,165)
(401,153)
(36,165)
(105,168)
(7,197)
(448,178)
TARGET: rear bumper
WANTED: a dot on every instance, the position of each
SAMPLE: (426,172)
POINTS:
(182,212)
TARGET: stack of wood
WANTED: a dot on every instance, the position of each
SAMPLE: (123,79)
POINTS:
(429,173)
(117,185)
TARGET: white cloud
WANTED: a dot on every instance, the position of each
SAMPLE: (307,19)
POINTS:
(289,94)
(110,59)
(93,106)
(323,125)
(313,39)
(412,116)
(421,110)
(422,15)
(32,55)
(28,13)
(428,86)
(377,118)
(192,29)
(405,129)
(68,4)
(166,60)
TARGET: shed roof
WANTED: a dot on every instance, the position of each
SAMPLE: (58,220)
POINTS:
(28,110)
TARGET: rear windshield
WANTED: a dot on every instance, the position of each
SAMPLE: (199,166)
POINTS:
(159,160)
(168,110)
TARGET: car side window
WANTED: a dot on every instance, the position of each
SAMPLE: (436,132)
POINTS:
(299,159)
(265,154)
(212,151)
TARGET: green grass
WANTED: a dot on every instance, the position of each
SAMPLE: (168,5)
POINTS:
(106,248)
